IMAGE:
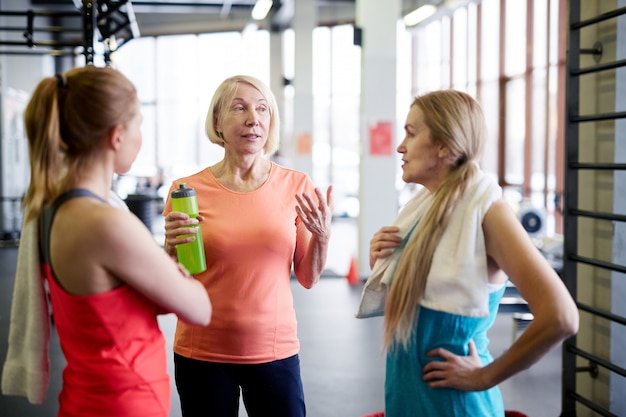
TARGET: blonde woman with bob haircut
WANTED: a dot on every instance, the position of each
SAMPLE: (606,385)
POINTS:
(258,221)
(444,263)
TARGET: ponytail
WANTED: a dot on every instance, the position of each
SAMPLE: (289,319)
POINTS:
(45,147)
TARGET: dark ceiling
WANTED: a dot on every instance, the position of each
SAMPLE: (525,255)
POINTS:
(161,17)
(155,18)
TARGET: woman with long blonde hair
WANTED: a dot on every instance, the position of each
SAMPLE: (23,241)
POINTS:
(448,256)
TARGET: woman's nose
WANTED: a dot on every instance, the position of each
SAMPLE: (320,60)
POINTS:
(252,119)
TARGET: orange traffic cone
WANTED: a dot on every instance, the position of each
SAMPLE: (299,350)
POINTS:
(353,274)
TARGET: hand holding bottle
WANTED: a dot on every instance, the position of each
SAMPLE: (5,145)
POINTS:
(186,234)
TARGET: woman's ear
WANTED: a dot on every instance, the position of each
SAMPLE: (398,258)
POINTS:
(116,138)
(444,152)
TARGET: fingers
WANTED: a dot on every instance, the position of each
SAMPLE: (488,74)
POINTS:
(473,352)
(176,216)
(438,372)
(387,236)
(305,209)
(178,219)
(316,216)
(323,203)
(388,229)
(446,355)
(183,270)
(383,243)
(329,198)
(306,203)
(440,352)
(454,371)
(178,230)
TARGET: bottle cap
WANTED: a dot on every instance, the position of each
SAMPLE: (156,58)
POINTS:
(182,191)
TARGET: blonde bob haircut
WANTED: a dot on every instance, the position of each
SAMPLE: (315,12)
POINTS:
(222,99)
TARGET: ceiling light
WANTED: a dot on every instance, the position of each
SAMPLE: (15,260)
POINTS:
(420,14)
(261,8)
(249,28)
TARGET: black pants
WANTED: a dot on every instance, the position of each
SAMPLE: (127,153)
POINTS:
(210,389)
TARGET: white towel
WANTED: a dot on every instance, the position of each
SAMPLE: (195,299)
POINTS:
(458,281)
(26,370)
(375,289)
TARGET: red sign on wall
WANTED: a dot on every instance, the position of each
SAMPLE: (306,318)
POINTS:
(381,142)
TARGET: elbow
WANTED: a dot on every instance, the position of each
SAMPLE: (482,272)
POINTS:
(206,317)
(208,313)
(558,324)
(571,324)
(306,277)
(201,316)
(568,323)
(308,282)
(571,319)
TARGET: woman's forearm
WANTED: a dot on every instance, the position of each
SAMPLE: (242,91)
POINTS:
(310,268)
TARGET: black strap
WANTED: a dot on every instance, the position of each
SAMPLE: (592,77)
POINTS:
(47,215)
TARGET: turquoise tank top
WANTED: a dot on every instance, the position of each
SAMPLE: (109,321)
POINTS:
(407,395)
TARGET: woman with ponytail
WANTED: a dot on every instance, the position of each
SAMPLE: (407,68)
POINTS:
(443,265)
(108,278)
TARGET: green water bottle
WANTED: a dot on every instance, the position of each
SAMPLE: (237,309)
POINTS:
(190,254)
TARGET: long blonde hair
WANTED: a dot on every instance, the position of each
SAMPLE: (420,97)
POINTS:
(456,122)
(66,119)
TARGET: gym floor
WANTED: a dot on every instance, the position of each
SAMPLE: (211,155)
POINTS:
(341,359)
